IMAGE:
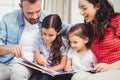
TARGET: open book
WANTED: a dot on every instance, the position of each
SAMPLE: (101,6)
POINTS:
(43,69)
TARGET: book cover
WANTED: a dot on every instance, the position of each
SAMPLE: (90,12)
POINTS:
(42,68)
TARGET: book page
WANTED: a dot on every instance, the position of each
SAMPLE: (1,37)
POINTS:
(41,68)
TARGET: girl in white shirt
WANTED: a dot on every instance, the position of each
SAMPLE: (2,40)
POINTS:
(80,57)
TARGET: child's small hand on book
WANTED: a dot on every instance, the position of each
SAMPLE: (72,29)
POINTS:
(40,59)
(68,69)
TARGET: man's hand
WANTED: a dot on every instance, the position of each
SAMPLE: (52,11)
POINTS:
(16,51)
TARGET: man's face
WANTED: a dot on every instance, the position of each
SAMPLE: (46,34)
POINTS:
(31,11)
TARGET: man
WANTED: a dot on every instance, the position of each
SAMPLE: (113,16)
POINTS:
(18,30)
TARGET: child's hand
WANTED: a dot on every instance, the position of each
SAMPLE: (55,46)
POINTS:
(68,69)
(40,59)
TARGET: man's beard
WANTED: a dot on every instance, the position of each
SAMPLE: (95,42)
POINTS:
(31,20)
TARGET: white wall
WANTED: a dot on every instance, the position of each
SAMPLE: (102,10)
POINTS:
(75,13)
(7,6)
(116,5)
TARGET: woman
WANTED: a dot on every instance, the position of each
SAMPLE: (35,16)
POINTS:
(100,15)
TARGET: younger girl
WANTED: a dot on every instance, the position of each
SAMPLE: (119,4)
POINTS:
(80,57)
(51,48)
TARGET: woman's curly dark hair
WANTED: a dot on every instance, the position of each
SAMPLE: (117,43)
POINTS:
(103,16)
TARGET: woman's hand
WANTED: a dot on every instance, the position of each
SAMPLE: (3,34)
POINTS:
(40,59)
(106,67)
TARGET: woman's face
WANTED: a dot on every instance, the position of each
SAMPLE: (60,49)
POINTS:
(49,35)
(88,10)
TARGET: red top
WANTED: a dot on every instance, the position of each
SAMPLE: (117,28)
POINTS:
(108,50)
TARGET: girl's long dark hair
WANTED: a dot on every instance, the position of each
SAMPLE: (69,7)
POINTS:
(103,16)
(54,21)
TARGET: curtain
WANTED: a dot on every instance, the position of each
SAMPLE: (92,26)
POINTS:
(60,7)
